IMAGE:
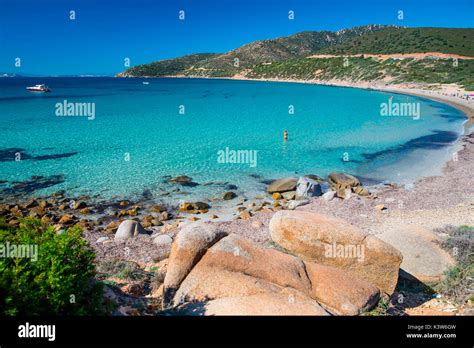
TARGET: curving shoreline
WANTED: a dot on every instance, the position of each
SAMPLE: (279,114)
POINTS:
(397,216)
(447,94)
(466,107)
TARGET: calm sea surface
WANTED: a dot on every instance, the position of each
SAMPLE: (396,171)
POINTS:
(142,133)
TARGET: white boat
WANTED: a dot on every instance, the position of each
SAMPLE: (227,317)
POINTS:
(146,82)
(38,88)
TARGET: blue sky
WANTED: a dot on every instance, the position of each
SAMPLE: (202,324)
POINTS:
(105,31)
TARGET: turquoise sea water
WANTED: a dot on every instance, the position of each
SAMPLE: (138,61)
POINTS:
(331,129)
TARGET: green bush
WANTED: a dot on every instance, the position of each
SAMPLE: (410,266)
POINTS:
(59,282)
(120,269)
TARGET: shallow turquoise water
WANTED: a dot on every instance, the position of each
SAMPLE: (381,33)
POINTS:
(143,121)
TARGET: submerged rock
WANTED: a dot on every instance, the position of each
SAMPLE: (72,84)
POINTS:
(181,179)
(193,208)
(229,195)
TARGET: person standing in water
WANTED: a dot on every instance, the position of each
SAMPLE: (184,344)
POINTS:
(285,135)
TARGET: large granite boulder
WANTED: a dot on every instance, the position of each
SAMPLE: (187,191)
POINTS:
(187,249)
(340,291)
(236,268)
(334,242)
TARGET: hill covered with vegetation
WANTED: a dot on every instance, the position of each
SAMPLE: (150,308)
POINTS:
(264,51)
(290,57)
(394,40)
(355,69)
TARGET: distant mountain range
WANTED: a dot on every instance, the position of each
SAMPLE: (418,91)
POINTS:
(289,57)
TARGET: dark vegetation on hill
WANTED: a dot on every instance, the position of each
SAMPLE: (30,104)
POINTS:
(408,40)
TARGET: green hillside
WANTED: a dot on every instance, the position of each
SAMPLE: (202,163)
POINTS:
(408,40)
(287,57)
(275,50)
(168,67)
(370,69)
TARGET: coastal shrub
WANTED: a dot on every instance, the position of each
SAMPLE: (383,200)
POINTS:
(54,275)
(458,280)
(121,269)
